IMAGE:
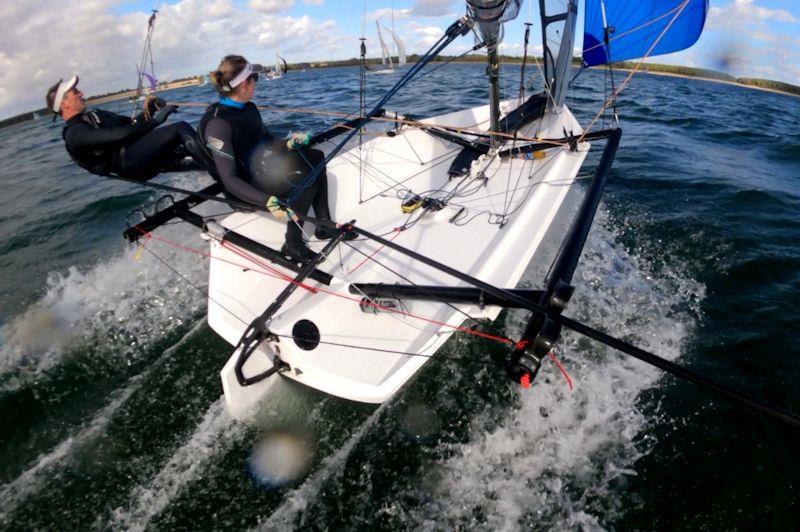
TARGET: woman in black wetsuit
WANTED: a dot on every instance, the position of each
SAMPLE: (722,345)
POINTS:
(253,165)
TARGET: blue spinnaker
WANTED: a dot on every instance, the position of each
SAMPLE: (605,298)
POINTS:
(634,25)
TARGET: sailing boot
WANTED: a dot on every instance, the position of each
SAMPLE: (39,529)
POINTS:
(323,233)
(322,212)
(294,247)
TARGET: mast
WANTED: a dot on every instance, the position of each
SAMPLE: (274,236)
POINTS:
(147,52)
(558,37)
(490,16)
(493,71)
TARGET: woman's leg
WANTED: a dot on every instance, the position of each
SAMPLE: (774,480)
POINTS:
(295,246)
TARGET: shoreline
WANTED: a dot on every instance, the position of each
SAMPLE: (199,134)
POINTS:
(127,94)
(197,81)
(713,80)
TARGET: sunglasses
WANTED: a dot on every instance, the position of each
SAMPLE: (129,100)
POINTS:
(253,76)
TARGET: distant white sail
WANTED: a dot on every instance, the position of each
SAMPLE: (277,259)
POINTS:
(385,55)
(400,47)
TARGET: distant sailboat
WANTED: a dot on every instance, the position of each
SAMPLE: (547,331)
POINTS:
(387,61)
(278,69)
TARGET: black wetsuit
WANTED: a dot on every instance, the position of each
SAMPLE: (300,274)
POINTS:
(253,165)
(106,143)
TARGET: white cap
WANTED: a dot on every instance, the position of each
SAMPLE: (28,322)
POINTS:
(243,75)
(63,88)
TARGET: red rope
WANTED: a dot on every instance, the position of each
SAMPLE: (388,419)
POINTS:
(560,367)
(148,236)
(275,273)
(360,264)
(282,276)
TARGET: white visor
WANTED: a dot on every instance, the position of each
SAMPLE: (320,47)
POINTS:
(243,75)
(63,88)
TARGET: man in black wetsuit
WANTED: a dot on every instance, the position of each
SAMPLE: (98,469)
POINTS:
(106,143)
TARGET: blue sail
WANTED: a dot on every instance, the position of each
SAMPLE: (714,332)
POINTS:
(633,27)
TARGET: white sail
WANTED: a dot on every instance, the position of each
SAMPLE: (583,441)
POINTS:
(275,71)
(399,46)
(386,57)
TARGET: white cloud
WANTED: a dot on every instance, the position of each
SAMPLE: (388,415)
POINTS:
(313,2)
(220,8)
(433,8)
(271,6)
(386,14)
(420,37)
(38,45)
(745,12)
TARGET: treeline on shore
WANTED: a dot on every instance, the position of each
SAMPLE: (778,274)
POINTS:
(45,112)
(655,68)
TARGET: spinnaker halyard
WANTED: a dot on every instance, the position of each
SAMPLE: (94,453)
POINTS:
(450,210)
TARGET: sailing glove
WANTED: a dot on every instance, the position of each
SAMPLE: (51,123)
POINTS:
(164,112)
(279,210)
(151,106)
(297,139)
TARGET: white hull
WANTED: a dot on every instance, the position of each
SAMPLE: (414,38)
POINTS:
(480,249)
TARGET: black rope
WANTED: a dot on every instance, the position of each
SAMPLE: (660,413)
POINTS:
(679,371)
(455,58)
(524,62)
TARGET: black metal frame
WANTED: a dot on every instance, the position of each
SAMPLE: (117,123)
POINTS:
(542,330)
(181,210)
(475,296)
(135,232)
(258,330)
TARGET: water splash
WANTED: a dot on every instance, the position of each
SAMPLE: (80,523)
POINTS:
(290,514)
(215,433)
(560,458)
(120,307)
(32,480)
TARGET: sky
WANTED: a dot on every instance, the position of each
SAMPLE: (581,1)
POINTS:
(101,40)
